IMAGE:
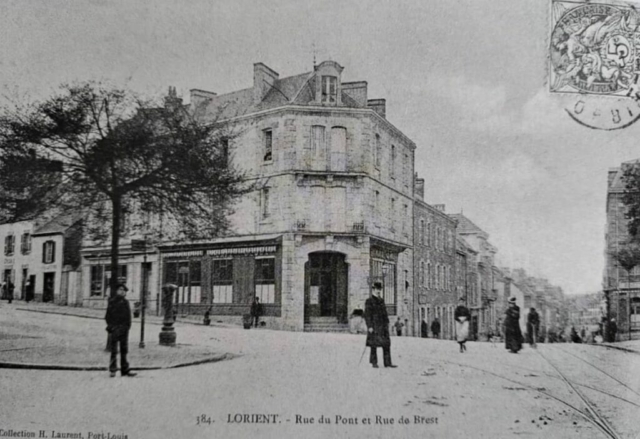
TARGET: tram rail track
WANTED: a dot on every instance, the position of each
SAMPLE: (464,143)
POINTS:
(590,414)
(595,417)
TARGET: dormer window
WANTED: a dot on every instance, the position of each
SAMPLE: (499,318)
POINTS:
(329,89)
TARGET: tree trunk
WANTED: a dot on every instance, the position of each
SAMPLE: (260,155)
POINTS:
(116,215)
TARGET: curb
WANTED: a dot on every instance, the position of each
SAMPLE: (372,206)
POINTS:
(620,348)
(152,322)
(32,366)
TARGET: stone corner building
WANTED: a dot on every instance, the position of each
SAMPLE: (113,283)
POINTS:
(622,289)
(331,210)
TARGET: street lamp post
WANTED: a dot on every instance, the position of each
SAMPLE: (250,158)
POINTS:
(138,245)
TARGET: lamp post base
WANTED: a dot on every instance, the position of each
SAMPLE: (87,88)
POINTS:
(168,336)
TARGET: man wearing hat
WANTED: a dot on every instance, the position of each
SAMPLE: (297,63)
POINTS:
(375,315)
(118,319)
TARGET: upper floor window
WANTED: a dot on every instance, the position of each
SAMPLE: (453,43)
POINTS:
(377,151)
(329,89)
(317,139)
(421,232)
(9,245)
(25,243)
(264,203)
(268,145)
(405,218)
(429,234)
(392,162)
(49,252)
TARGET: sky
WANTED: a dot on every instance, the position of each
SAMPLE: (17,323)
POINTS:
(465,80)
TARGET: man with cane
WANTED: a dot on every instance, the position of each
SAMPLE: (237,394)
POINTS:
(375,315)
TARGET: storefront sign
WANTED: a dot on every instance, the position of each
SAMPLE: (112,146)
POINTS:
(242,251)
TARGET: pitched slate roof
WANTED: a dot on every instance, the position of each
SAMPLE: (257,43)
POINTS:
(465,225)
(59,224)
(292,90)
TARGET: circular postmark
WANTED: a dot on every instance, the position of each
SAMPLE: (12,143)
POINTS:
(594,52)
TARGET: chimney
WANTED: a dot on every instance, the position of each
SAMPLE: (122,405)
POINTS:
(419,188)
(172,101)
(263,80)
(379,106)
(439,207)
(356,91)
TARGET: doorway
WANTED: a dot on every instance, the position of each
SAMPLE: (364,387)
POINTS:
(49,285)
(326,286)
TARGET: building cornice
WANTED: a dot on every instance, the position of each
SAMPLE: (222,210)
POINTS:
(325,109)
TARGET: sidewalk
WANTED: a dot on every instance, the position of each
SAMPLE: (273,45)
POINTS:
(45,336)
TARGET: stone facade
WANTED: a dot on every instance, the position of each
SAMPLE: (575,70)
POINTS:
(435,265)
(621,288)
(329,212)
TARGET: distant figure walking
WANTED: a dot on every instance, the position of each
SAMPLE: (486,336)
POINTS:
(377,319)
(398,325)
(462,317)
(533,323)
(256,311)
(512,332)
(424,329)
(435,328)
(118,319)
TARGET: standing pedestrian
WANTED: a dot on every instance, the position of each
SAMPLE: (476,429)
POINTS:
(10,289)
(533,323)
(398,325)
(256,311)
(435,328)
(613,330)
(424,328)
(118,319)
(462,317)
(375,315)
(28,291)
(512,332)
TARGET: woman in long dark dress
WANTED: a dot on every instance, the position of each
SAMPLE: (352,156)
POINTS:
(512,333)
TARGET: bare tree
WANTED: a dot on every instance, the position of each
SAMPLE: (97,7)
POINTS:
(103,151)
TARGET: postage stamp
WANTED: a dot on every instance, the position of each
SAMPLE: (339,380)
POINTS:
(594,49)
(594,52)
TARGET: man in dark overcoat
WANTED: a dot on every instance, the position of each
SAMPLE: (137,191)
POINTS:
(435,328)
(256,311)
(375,315)
(118,319)
(533,323)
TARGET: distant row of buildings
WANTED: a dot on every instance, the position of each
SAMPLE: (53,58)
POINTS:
(337,206)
